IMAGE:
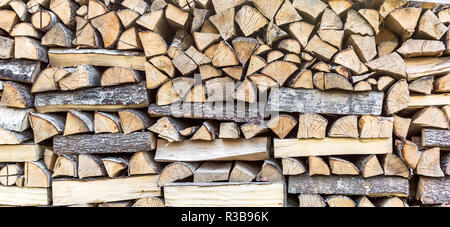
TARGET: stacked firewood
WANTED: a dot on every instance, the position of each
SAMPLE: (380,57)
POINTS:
(224,103)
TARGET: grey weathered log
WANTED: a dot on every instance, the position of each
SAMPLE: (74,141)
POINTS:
(436,138)
(329,102)
(349,185)
(19,70)
(432,190)
(99,98)
(104,143)
(225,112)
(14,119)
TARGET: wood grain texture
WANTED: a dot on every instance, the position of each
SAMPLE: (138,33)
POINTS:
(431,190)
(436,138)
(21,196)
(20,153)
(19,70)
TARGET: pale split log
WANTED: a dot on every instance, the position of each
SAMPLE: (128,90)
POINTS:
(364,46)
(271,171)
(279,70)
(369,166)
(208,71)
(115,166)
(349,185)
(213,171)
(67,192)
(401,126)
(431,117)
(282,124)
(356,24)
(442,84)
(139,6)
(199,18)
(373,17)
(224,150)
(255,64)
(43,20)
(66,166)
(301,31)
(78,122)
(45,81)
(244,48)
(322,67)
(205,40)
(96,8)
(250,130)
(330,146)
(198,57)
(107,123)
(391,202)
(327,81)
(208,131)
(23,196)
(436,138)
(384,82)
(14,119)
(429,163)
(244,172)
(154,77)
(142,163)
(446,110)
(184,64)
(246,92)
(287,14)
(129,40)
(426,66)
(403,21)
(386,42)
(156,22)
(220,6)
(430,27)
(20,8)
(320,49)
(220,89)
(311,126)
(346,126)
(9,174)
(302,79)
(20,181)
(224,56)
(168,128)
(128,17)
(50,159)
(250,20)
(84,76)
(431,190)
(150,201)
(177,171)
(153,43)
(11,137)
(109,27)
(9,20)
(229,130)
(311,200)
(16,95)
(333,37)
(118,75)
(104,143)
(27,48)
(7,48)
(196,94)
(90,166)
(391,65)
(163,63)
(273,34)
(423,85)
(82,11)
(293,166)
(176,17)
(363,201)
(393,165)
(340,6)
(423,101)
(310,9)
(133,120)
(25,29)
(340,166)
(208,27)
(375,126)
(189,131)
(263,82)
(20,153)
(65,10)
(397,97)
(86,35)
(340,201)
(421,48)
(317,166)
(46,126)
(224,22)
(294,58)
(36,175)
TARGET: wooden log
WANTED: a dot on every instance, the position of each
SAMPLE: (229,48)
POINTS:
(421,48)
(150,201)
(129,40)
(96,57)
(168,128)
(142,163)
(320,49)
(10,19)
(11,137)
(96,8)
(243,172)
(139,6)
(395,166)
(250,20)
(36,175)
(403,21)
(45,81)
(229,130)
(348,185)
(431,66)
(50,159)
(66,166)
(397,97)
(280,71)
(115,166)
(24,71)
(90,166)
(177,171)
(422,85)
(436,138)
(106,123)
(84,76)
(205,40)
(301,31)
(224,150)
(340,166)
(9,174)
(270,172)
(27,48)
(422,101)
(104,143)
(346,126)
(46,126)
(213,171)
(442,84)
(340,201)
(14,119)
(209,110)
(22,196)
(20,153)
(58,36)
(330,146)
(386,42)
(429,163)
(430,27)
(224,22)
(431,117)
(154,21)
(7,50)
(311,126)
(311,200)
(349,59)
(78,122)
(198,57)
(299,100)
(293,166)
(395,67)
(356,24)
(363,201)
(431,190)
(224,55)
(232,194)
(364,46)
(375,127)
(250,130)
(109,27)
(282,124)
(20,8)
(409,152)
(16,95)
(86,35)
(287,14)
(67,192)
(100,99)
(317,166)
(133,120)
(391,202)
(208,131)
(164,64)
(369,166)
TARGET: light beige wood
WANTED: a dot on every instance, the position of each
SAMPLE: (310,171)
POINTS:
(46,126)
(386,42)
(90,166)
(213,171)
(106,123)
(280,71)
(311,126)
(244,172)
(115,166)
(369,166)
(287,14)
(317,166)
(442,84)
(340,201)
(346,126)
(311,200)
(66,166)
(293,166)
(22,196)
(282,124)
(229,130)
(50,159)
(10,173)
(340,166)
(168,128)
(209,131)
(36,175)
(391,202)
(356,24)
(397,97)
(429,163)
(375,126)
(177,171)
(153,43)
(363,201)
(133,120)
(391,65)
(430,27)
(250,130)
(320,49)
(250,20)
(394,166)
(270,171)
(224,22)
(403,21)
(20,153)
(150,201)
(421,101)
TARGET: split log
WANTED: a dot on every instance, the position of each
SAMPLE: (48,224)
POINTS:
(90,166)
(364,46)
(150,201)
(106,123)
(250,20)
(397,97)
(45,81)
(96,8)
(133,120)
(307,101)
(50,159)
(67,192)
(65,10)
(20,153)
(11,137)
(154,21)
(340,201)
(403,21)
(208,71)
(356,24)
(115,166)
(164,64)
(394,166)
(224,22)
(243,172)
(228,112)
(129,40)
(166,94)
(391,202)
(198,57)
(431,117)
(205,40)
(46,126)
(333,37)
(199,18)
(282,124)
(386,42)
(58,36)
(118,75)
(244,48)
(421,48)
(9,20)
(208,131)
(224,56)
(330,21)
(139,6)
(232,194)
(36,175)
(229,130)
(409,152)
(84,76)
(422,85)
(224,150)
(14,119)
(429,163)
(16,95)
(301,31)
(142,163)
(391,65)
(431,190)
(78,122)
(189,131)
(20,8)
(264,82)
(9,174)
(303,79)
(327,81)
(349,59)
(293,166)
(255,64)
(427,66)
(96,57)
(287,14)
(363,201)
(340,166)
(375,127)
(66,166)
(28,48)
(430,27)
(349,185)
(436,138)
(154,77)
(109,27)
(317,166)
(442,84)
(346,126)
(330,146)
(104,143)
(311,126)
(270,172)
(169,129)
(113,204)
(369,166)
(43,20)
(384,82)
(311,9)
(99,99)
(311,200)
(7,50)
(320,49)
(212,171)
(250,130)
(235,72)
(177,171)
(279,71)
(422,101)
(86,35)
(23,196)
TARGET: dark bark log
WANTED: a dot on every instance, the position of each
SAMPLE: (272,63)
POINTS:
(19,70)
(436,138)
(431,190)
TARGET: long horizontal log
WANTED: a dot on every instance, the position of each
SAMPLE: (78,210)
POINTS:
(14,119)
(96,57)
(225,112)
(20,153)
(428,66)
(436,138)
(104,143)
(70,192)
(284,148)
(224,195)
(421,101)
(108,99)
(325,102)
(432,190)
(349,185)
(220,149)
(21,196)
(19,70)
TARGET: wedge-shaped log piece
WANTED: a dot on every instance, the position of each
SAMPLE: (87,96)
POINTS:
(25,29)
(220,6)
(154,77)
(45,81)
(356,24)
(28,48)
(338,102)
(96,8)
(198,57)
(303,79)
(442,84)
(397,97)
(129,40)
(403,21)
(109,27)
(431,190)
(392,65)
(287,14)
(7,50)
(150,201)
(65,10)
(213,171)
(177,171)
(90,166)
(14,119)
(66,166)
(224,56)
(115,166)
(244,48)
(168,128)
(421,48)
(133,120)
(118,75)
(282,124)
(139,6)
(280,70)
(375,127)
(11,137)
(311,126)
(409,152)
(317,166)
(9,19)
(16,95)
(250,130)
(166,94)
(330,21)
(346,126)
(250,20)
(244,172)
(330,146)
(100,99)
(24,71)
(373,17)
(67,192)
(143,163)
(224,150)
(78,122)
(436,138)
(340,166)
(422,85)
(205,40)
(328,81)
(96,57)
(23,196)
(84,76)
(363,201)
(401,126)
(224,22)
(154,21)
(430,27)
(229,130)
(364,46)
(270,172)
(369,166)
(104,143)
(310,9)
(386,42)
(106,123)
(20,153)
(153,43)
(429,163)
(232,194)
(46,126)
(333,37)
(420,67)
(86,35)
(320,49)
(164,64)
(184,64)
(393,165)
(340,201)
(36,175)
(208,131)
(311,200)
(301,31)
(431,117)
(58,36)
(293,166)
(348,185)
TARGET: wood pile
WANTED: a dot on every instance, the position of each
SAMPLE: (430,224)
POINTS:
(224,103)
